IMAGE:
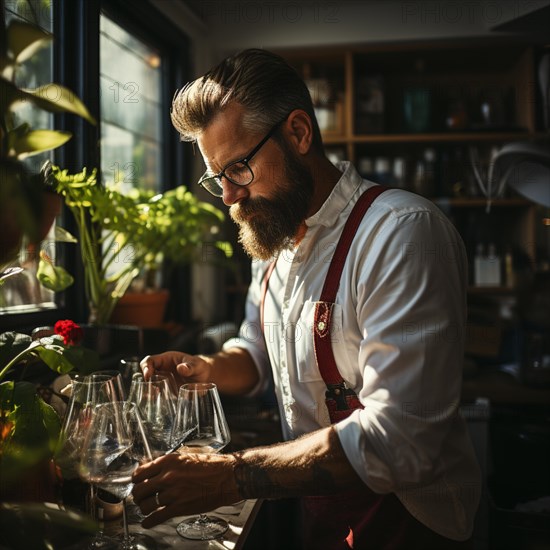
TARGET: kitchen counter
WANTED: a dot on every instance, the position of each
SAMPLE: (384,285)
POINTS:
(240,518)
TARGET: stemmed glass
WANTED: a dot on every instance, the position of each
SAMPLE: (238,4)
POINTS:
(114,446)
(86,393)
(157,410)
(116,376)
(200,427)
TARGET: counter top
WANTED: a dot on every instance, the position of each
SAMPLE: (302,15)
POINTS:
(239,516)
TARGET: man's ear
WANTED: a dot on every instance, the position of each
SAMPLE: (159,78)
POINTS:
(299,131)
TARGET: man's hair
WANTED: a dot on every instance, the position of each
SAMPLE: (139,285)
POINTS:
(262,82)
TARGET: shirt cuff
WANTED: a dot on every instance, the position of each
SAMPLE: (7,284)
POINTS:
(372,471)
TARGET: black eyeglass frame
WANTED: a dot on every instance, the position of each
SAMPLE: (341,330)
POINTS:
(245,161)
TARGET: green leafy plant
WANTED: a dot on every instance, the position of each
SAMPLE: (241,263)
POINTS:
(29,427)
(21,192)
(124,236)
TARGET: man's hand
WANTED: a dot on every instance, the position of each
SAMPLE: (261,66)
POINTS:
(232,370)
(314,464)
(184,367)
(185,484)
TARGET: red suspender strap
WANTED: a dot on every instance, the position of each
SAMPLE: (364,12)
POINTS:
(340,400)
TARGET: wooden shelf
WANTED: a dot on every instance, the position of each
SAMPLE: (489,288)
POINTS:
(491,290)
(442,136)
(448,137)
(460,77)
(481,202)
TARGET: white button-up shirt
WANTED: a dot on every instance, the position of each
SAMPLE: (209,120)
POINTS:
(397,335)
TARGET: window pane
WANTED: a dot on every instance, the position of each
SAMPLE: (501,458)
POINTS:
(131,113)
(22,292)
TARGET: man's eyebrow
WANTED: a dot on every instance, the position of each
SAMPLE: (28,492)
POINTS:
(235,159)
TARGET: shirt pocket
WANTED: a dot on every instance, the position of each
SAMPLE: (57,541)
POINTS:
(308,370)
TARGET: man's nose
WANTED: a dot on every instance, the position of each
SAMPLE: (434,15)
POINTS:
(232,192)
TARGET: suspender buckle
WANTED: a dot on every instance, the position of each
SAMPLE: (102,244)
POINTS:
(338,393)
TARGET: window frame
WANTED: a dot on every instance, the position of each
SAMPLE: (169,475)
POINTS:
(76,66)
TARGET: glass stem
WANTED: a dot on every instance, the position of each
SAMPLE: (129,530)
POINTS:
(125,522)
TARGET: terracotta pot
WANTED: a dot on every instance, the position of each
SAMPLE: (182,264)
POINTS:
(141,309)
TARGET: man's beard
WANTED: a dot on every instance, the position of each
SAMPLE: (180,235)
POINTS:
(268,226)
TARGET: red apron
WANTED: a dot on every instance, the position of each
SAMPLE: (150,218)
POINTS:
(358,519)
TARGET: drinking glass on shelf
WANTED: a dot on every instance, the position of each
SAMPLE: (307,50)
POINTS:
(114,446)
(157,410)
(200,427)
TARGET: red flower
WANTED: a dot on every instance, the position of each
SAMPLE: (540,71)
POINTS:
(72,334)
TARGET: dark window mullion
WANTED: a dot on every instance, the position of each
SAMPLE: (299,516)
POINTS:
(77,67)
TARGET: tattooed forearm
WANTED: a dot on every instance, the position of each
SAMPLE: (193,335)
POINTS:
(312,465)
(255,480)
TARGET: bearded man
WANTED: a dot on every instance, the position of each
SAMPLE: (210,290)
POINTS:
(358,293)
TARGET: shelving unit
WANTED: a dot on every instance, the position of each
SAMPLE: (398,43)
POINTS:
(430,109)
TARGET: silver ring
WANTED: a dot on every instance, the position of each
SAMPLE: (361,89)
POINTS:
(157,500)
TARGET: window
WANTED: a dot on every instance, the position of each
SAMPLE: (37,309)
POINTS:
(124,60)
(22,292)
(132,110)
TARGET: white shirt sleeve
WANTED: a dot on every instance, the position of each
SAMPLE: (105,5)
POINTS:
(250,336)
(411,308)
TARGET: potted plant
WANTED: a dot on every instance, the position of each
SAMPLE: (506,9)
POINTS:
(126,237)
(27,207)
(29,427)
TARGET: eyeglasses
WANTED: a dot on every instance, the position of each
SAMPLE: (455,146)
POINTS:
(237,172)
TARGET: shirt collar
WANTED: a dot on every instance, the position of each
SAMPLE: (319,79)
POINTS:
(339,197)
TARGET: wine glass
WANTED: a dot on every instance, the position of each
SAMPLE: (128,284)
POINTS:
(168,377)
(114,446)
(86,393)
(200,427)
(117,382)
(157,410)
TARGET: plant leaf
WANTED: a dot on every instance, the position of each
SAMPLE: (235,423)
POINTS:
(86,360)
(37,141)
(24,39)
(31,431)
(42,526)
(12,344)
(54,356)
(63,236)
(56,99)
(51,422)
(9,93)
(52,277)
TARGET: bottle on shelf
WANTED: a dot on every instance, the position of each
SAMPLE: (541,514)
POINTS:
(487,267)
(382,172)
(493,266)
(365,167)
(480,276)
(399,172)
(509,275)
(417,103)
